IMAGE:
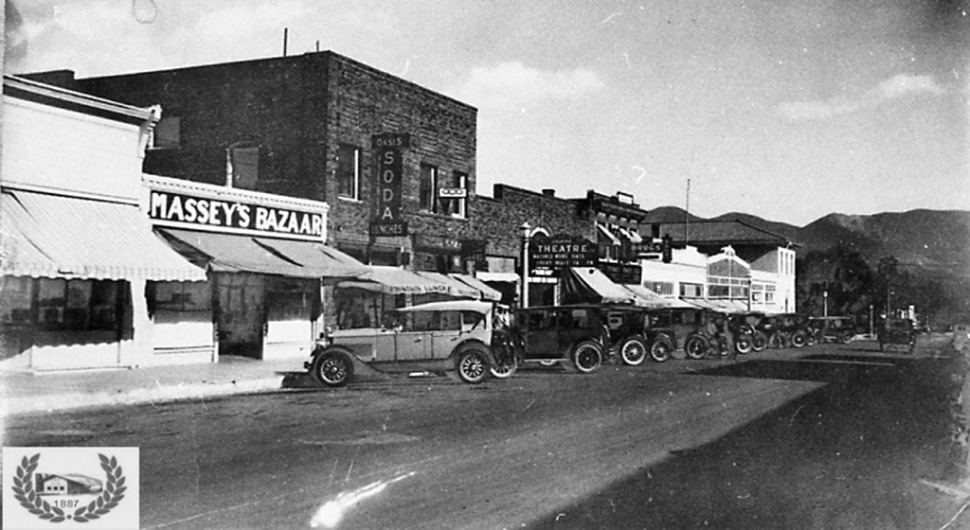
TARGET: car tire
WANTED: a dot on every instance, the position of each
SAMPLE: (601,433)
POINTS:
(471,364)
(660,349)
(759,342)
(811,339)
(633,351)
(504,370)
(696,347)
(586,357)
(799,339)
(845,338)
(332,368)
(742,343)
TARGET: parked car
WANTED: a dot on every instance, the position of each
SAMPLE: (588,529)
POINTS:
(628,333)
(784,330)
(898,331)
(576,336)
(462,337)
(675,329)
(831,329)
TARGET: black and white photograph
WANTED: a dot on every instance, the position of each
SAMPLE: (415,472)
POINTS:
(485,265)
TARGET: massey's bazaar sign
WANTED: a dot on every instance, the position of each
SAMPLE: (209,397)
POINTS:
(548,255)
(185,210)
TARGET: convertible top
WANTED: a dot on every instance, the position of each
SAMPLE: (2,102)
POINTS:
(476,306)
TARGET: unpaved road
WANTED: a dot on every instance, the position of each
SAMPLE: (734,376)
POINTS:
(828,437)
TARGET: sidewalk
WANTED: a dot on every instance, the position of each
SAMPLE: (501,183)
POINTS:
(32,393)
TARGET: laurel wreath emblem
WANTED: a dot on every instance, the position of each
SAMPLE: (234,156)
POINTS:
(114,491)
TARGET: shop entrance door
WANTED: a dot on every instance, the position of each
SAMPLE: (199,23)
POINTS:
(241,316)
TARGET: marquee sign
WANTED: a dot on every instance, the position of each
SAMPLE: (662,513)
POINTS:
(390,177)
(548,255)
(189,211)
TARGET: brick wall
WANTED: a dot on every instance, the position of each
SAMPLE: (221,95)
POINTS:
(498,219)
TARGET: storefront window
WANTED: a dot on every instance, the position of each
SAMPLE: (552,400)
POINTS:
(183,296)
(78,305)
(15,291)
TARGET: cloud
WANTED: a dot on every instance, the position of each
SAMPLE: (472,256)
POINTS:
(246,20)
(890,89)
(512,83)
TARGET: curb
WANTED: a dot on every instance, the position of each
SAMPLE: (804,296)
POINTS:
(160,394)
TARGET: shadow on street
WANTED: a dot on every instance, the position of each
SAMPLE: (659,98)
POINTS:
(848,455)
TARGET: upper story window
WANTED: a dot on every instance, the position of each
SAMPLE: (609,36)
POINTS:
(348,172)
(428,189)
(166,134)
(242,167)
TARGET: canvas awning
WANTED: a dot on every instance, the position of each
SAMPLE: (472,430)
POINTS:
(456,288)
(504,277)
(395,280)
(241,253)
(644,297)
(56,236)
(701,303)
(589,284)
(486,292)
(608,235)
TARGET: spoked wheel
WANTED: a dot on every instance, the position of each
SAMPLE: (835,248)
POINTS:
(633,351)
(332,368)
(799,339)
(759,342)
(586,357)
(471,363)
(696,347)
(742,343)
(845,338)
(504,370)
(660,350)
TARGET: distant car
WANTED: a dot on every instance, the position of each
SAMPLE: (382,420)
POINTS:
(684,329)
(464,337)
(897,331)
(831,329)
(575,336)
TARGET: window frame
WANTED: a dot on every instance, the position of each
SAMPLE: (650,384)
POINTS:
(355,172)
(425,194)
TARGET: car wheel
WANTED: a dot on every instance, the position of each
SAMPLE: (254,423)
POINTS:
(811,339)
(742,343)
(471,363)
(696,347)
(660,349)
(504,370)
(332,368)
(798,339)
(633,351)
(759,342)
(586,357)
(845,338)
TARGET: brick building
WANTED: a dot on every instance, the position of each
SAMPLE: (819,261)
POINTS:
(304,126)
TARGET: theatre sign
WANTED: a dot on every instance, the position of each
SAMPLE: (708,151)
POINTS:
(181,204)
(549,255)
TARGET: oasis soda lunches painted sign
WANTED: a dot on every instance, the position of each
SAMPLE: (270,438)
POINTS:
(187,210)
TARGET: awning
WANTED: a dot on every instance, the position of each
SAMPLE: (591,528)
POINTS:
(633,236)
(56,237)
(456,288)
(701,303)
(505,277)
(644,297)
(327,262)
(609,235)
(394,280)
(486,292)
(240,253)
(731,306)
(589,284)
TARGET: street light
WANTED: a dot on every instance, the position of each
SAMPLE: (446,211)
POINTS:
(825,303)
(526,232)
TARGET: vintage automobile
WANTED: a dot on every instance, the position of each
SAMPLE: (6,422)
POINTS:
(784,330)
(831,329)
(684,329)
(628,332)
(575,336)
(897,331)
(461,337)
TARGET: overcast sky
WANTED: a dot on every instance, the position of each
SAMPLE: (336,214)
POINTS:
(785,109)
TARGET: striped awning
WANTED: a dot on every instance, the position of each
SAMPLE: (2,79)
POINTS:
(56,236)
